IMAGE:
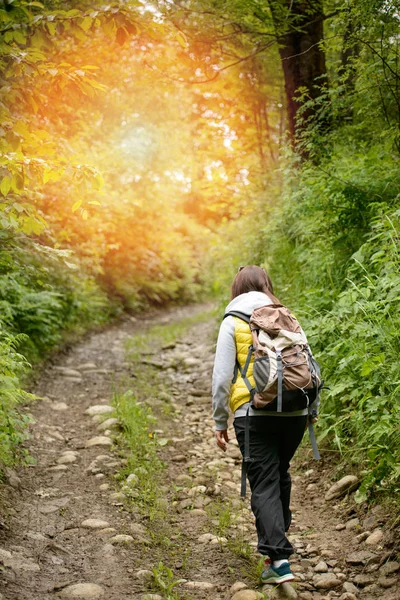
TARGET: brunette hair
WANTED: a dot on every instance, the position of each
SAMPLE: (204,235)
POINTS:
(253,279)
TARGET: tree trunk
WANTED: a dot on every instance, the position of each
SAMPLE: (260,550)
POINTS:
(303,59)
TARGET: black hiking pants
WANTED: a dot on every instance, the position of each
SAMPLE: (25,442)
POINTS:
(273,442)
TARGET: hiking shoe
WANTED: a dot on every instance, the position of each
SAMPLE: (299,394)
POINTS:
(277,574)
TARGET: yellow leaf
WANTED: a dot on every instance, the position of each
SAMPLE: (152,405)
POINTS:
(51,28)
(95,203)
(85,214)
(86,23)
(5,185)
(76,205)
(181,39)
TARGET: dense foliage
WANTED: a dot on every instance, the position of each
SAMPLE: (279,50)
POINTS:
(330,240)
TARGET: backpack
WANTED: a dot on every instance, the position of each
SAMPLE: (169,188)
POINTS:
(287,377)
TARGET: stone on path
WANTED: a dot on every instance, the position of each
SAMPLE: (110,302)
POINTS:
(321,567)
(200,585)
(144,575)
(375,538)
(326,581)
(206,538)
(87,366)
(111,423)
(121,539)
(389,568)
(350,587)
(346,484)
(67,372)
(364,579)
(152,597)
(247,595)
(237,587)
(67,458)
(99,409)
(99,440)
(82,590)
(17,562)
(95,524)
(59,406)
(284,591)
(360,558)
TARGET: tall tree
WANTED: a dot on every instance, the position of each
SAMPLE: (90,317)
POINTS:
(299,29)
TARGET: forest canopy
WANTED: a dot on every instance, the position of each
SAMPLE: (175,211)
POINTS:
(149,148)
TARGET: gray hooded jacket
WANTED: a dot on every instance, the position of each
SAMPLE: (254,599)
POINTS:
(225,359)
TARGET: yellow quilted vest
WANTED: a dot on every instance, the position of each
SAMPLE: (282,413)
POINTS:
(239,394)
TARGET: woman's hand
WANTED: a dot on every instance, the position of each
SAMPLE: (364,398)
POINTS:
(222,438)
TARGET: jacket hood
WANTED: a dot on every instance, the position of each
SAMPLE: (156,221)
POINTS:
(246,303)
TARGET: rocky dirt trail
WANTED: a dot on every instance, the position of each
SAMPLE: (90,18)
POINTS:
(68,531)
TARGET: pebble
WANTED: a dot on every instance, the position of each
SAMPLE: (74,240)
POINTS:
(112,423)
(67,372)
(237,587)
(247,595)
(99,409)
(389,568)
(205,538)
(132,479)
(359,558)
(321,567)
(121,539)
(375,538)
(59,406)
(350,587)
(200,585)
(346,484)
(82,590)
(95,524)
(100,440)
(326,581)
(363,579)
(144,575)
(387,582)
(179,458)
(353,524)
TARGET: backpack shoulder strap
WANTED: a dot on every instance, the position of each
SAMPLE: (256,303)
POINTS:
(240,315)
(243,372)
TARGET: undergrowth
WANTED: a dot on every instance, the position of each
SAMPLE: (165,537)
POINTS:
(345,291)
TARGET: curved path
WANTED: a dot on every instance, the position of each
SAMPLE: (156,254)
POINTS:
(67,531)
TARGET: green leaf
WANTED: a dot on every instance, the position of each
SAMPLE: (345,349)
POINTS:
(51,28)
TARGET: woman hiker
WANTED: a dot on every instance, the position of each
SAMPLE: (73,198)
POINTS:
(273,437)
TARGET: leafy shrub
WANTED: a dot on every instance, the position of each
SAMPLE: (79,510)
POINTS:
(12,424)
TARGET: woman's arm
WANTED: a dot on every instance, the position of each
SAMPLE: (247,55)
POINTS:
(224,366)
